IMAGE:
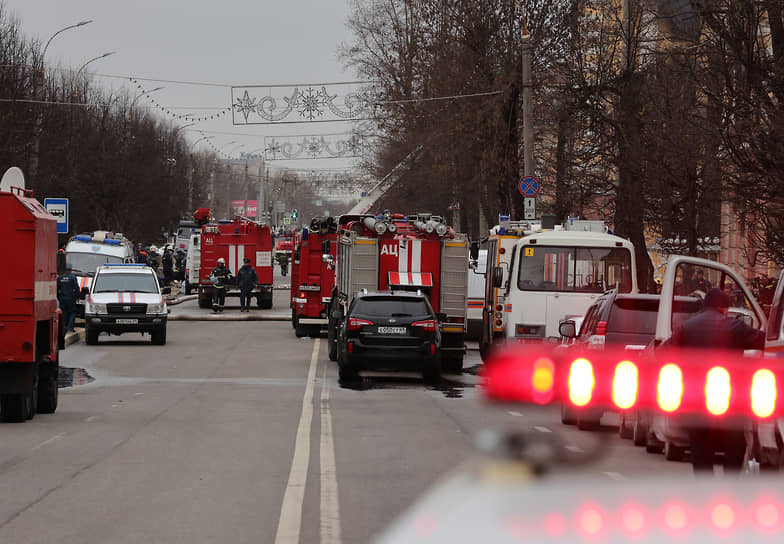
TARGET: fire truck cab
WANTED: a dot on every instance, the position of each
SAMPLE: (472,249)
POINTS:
(312,278)
(395,252)
(234,240)
(31,332)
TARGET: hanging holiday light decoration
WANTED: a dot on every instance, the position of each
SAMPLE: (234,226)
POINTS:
(218,114)
(315,146)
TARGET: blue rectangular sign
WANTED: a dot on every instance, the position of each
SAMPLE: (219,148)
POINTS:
(58,207)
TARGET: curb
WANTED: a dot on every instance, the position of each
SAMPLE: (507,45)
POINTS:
(229,317)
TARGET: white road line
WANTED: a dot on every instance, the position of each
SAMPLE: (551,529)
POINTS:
(514,413)
(330,500)
(575,449)
(91,419)
(45,442)
(290,521)
(542,429)
(617,476)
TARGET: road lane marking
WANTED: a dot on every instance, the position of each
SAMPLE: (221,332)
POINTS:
(514,413)
(542,429)
(49,441)
(575,449)
(290,521)
(330,500)
(617,476)
(91,419)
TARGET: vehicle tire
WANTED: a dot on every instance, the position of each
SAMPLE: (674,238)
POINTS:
(346,373)
(159,337)
(187,288)
(314,331)
(640,434)
(332,345)
(587,424)
(431,370)
(673,452)
(452,363)
(625,430)
(47,388)
(264,301)
(654,448)
(301,331)
(294,319)
(484,350)
(568,415)
(15,408)
(90,335)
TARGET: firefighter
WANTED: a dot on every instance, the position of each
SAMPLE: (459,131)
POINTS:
(247,280)
(712,328)
(168,266)
(67,294)
(283,260)
(219,277)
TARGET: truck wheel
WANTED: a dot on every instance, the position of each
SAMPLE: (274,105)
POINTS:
(301,330)
(293,318)
(332,344)
(159,337)
(15,408)
(431,372)
(47,388)
(91,335)
(673,452)
(264,301)
(187,288)
(452,363)
(639,433)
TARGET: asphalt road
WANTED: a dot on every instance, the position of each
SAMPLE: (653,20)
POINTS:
(236,431)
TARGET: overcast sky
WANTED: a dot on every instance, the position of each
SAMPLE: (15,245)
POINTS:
(233,42)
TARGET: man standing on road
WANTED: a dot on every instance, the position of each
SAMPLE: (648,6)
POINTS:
(283,260)
(713,329)
(219,277)
(247,280)
(67,293)
(168,266)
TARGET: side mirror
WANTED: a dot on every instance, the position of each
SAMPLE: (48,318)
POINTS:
(166,291)
(498,277)
(567,329)
(325,247)
(337,315)
(474,251)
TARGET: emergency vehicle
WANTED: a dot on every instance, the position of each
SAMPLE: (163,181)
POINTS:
(557,274)
(192,263)
(31,330)
(500,244)
(284,245)
(417,252)
(234,240)
(476,295)
(86,252)
(312,279)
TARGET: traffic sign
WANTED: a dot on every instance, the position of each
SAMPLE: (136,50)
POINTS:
(287,220)
(529,208)
(529,186)
(58,207)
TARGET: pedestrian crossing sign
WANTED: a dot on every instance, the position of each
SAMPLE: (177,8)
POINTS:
(287,220)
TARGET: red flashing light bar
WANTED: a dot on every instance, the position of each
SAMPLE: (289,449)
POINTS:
(671,381)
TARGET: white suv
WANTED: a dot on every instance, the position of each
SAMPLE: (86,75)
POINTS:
(126,298)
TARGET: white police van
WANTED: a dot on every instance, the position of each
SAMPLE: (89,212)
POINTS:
(126,298)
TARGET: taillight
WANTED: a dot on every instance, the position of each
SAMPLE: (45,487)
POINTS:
(624,386)
(763,393)
(581,382)
(432,349)
(601,328)
(350,347)
(717,390)
(669,390)
(355,324)
(543,380)
(429,325)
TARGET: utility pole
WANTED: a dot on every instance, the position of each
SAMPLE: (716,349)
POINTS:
(528,113)
(260,207)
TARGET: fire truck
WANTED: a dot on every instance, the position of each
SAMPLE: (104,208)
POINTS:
(31,330)
(395,252)
(312,279)
(234,240)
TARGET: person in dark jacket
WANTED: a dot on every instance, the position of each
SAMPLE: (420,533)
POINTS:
(168,267)
(67,295)
(247,280)
(220,276)
(713,329)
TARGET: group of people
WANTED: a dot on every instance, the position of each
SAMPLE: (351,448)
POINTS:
(171,263)
(221,276)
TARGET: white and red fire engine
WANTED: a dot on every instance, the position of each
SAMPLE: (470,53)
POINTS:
(234,240)
(410,253)
(312,278)
(31,330)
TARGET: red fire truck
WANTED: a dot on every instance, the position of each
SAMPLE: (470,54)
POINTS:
(312,279)
(397,252)
(31,333)
(235,240)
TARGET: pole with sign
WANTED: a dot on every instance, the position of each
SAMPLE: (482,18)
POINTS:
(58,207)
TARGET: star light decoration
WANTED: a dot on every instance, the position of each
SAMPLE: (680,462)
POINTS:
(315,146)
(313,103)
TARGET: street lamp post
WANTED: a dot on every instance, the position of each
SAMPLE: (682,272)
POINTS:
(83,66)
(137,97)
(38,83)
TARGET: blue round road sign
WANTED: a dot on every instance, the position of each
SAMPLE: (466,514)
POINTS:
(529,186)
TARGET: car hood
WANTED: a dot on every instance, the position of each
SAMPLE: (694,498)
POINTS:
(127,298)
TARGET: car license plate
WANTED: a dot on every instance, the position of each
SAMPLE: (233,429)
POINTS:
(127,321)
(392,330)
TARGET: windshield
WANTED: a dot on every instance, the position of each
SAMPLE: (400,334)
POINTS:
(84,264)
(126,283)
(386,307)
(581,269)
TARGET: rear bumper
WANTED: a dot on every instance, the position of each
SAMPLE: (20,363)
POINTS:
(109,323)
(312,320)
(389,357)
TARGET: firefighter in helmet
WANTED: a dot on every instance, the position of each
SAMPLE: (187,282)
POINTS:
(220,277)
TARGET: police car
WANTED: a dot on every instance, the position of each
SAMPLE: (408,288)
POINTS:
(126,298)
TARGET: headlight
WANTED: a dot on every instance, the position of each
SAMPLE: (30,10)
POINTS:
(157,308)
(95,308)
